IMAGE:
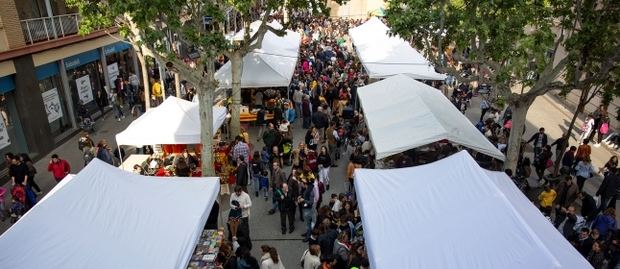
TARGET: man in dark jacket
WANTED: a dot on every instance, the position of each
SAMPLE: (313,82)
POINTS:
(307,202)
(609,189)
(540,141)
(286,200)
(566,193)
(270,136)
(320,121)
(306,111)
(326,239)
(588,206)
(565,221)
(242,173)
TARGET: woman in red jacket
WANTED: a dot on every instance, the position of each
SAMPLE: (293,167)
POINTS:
(59,168)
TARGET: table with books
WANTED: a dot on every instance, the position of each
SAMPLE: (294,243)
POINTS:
(206,250)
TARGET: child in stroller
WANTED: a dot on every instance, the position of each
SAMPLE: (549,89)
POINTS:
(18,205)
(86,122)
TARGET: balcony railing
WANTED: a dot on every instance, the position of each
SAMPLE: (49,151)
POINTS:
(48,28)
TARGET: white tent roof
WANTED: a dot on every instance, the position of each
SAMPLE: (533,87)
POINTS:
(383,55)
(451,214)
(175,121)
(105,217)
(272,65)
(403,113)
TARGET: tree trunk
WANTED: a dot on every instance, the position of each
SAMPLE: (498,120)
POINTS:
(583,100)
(205,103)
(519,113)
(145,79)
(237,71)
(177,85)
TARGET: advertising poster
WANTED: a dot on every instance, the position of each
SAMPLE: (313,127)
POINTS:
(5,141)
(85,92)
(51,101)
(113,73)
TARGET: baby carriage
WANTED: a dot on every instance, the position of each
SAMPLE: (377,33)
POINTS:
(87,124)
(18,207)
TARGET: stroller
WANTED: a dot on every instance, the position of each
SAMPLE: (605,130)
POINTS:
(18,206)
(87,123)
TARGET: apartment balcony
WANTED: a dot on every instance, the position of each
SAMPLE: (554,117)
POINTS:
(49,28)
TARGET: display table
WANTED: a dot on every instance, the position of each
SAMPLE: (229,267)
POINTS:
(250,117)
(134,159)
(206,250)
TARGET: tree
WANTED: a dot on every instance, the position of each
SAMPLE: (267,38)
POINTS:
(514,46)
(148,26)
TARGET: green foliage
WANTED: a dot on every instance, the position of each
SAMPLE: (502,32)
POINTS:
(517,39)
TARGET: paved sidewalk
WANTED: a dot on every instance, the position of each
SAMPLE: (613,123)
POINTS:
(554,117)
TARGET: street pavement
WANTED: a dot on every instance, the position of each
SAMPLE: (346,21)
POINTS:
(264,228)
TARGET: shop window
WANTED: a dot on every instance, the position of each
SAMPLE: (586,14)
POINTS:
(55,104)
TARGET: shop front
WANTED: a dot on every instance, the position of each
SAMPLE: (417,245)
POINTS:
(120,61)
(86,81)
(11,133)
(54,101)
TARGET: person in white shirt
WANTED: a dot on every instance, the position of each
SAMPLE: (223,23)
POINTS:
(244,203)
(134,82)
(297,99)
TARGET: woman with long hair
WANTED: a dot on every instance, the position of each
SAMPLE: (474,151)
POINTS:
(272,260)
(325,163)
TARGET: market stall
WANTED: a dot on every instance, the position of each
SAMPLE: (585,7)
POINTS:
(453,214)
(434,118)
(105,217)
(384,55)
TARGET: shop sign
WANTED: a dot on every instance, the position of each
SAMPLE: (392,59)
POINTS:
(85,92)
(113,73)
(51,101)
(5,141)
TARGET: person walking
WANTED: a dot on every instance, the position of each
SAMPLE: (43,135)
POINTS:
(59,168)
(324,161)
(587,128)
(540,141)
(242,173)
(103,152)
(306,111)
(307,203)
(157,95)
(32,171)
(245,202)
(609,189)
(286,201)
(566,193)
(86,145)
(546,199)
(583,171)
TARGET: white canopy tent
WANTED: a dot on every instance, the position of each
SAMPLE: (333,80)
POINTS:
(454,214)
(383,55)
(272,65)
(175,121)
(403,113)
(105,217)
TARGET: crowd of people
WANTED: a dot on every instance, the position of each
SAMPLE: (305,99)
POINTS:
(322,94)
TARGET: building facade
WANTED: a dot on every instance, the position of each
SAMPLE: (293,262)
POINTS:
(47,69)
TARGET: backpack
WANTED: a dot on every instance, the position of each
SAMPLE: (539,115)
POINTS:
(604,128)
